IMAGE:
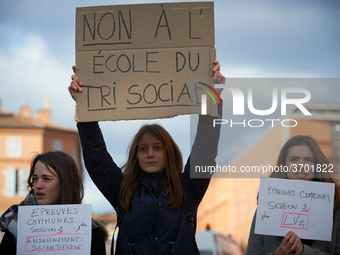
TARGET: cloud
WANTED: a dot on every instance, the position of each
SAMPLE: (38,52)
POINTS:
(289,38)
(254,39)
(31,72)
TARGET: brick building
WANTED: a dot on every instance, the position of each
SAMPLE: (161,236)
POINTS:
(230,202)
(21,137)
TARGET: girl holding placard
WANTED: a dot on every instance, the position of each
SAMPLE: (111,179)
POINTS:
(53,179)
(300,151)
(151,187)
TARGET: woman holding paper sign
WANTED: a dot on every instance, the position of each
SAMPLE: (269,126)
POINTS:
(53,179)
(148,194)
(300,151)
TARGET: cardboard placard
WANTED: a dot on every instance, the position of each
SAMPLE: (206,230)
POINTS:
(142,61)
(305,207)
(54,229)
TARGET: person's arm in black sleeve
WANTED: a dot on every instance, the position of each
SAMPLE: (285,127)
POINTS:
(103,171)
(204,149)
(203,153)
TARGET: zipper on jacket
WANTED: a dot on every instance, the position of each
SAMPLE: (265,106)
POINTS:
(131,248)
(172,247)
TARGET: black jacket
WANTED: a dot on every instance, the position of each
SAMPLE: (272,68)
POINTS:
(151,227)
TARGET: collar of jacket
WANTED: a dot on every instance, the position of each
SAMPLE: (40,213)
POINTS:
(150,180)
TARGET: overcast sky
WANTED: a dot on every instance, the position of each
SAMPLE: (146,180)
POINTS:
(253,39)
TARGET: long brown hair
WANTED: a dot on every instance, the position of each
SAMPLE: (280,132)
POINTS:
(170,182)
(71,183)
(319,159)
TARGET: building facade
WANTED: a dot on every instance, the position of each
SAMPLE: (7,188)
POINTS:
(231,200)
(21,138)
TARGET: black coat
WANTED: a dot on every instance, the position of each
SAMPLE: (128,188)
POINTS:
(151,227)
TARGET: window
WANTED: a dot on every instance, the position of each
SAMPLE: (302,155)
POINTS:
(14,147)
(15,182)
(22,182)
(10,182)
(57,145)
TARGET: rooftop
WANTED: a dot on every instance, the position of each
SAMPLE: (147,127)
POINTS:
(24,119)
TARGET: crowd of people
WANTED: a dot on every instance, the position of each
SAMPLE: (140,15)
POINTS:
(155,199)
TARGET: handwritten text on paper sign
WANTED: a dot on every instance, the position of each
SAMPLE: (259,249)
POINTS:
(305,207)
(54,229)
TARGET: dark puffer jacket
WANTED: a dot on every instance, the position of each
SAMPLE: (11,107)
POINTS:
(151,227)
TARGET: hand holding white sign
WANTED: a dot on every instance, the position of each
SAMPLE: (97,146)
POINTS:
(54,229)
(302,206)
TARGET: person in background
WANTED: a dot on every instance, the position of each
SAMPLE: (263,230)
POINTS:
(53,179)
(151,186)
(299,150)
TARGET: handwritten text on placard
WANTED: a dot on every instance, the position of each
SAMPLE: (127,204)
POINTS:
(305,207)
(54,229)
(137,61)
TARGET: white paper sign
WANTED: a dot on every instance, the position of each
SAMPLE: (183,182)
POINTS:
(54,229)
(305,207)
